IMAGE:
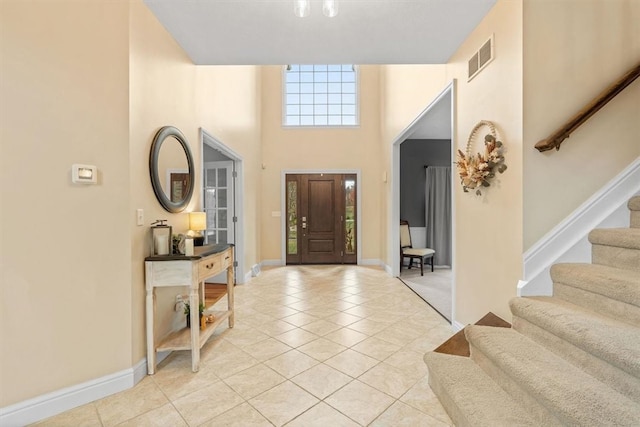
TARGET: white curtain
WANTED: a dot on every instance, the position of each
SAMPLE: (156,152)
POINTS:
(438,213)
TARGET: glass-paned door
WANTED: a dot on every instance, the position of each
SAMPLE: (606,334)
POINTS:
(219,202)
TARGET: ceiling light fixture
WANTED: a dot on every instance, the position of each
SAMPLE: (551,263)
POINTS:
(330,8)
(302,8)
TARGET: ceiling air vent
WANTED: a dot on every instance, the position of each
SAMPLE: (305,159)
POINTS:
(481,58)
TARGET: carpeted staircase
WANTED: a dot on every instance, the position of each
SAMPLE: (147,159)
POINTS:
(570,359)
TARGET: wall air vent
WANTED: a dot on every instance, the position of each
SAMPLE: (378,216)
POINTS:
(481,58)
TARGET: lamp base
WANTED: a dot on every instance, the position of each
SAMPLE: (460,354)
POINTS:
(198,240)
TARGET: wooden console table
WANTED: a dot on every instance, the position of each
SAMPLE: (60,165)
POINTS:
(190,271)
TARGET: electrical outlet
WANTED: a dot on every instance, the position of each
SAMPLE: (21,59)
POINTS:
(140,216)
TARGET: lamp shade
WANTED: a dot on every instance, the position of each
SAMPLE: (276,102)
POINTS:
(197,221)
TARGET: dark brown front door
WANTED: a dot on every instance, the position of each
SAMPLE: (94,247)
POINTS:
(320,219)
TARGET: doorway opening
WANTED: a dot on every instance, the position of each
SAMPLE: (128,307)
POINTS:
(222,194)
(321,217)
(430,133)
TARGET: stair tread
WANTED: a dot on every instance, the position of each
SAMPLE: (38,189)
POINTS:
(614,341)
(574,396)
(615,283)
(475,393)
(634,203)
(618,237)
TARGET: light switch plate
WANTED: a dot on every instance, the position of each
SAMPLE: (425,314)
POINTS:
(140,216)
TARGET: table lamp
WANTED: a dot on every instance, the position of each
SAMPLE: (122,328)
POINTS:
(197,223)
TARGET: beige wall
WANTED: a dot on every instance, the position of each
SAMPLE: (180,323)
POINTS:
(487,256)
(488,248)
(65,305)
(573,49)
(167,89)
(317,149)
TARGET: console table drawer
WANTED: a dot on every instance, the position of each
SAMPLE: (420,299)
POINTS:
(210,266)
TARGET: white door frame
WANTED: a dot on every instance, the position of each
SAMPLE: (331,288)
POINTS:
(394,207)
(208,139)
(283,204)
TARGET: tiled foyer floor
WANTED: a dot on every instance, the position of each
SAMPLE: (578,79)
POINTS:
(312,346)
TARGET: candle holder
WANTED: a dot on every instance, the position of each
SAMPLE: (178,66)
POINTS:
(161,243)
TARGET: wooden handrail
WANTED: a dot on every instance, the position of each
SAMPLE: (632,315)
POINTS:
(589,110)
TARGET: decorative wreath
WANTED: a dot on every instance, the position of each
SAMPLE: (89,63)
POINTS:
(477,171)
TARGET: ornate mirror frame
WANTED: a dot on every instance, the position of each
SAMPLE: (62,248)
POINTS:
(164,133)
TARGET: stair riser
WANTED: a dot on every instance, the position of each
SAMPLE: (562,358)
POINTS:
(616,257)
(609,307)
(513,388)
(447,402)
(614,377)
(635,219)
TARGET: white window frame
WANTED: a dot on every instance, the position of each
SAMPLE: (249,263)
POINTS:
(328,126)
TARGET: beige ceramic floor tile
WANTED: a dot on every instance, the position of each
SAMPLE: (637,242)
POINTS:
(421,397)
(177,381)
(296,337)
(410,362)
(130,403)
(243,415)
(276,327)
(378,305)
(300,319)
(351,363)
(243,338)
(343,319)
(376,348)
(401,415)
(253,381)
(82,416)
(321,327)
(388,379)
(346,337)
(202,405)
(291,363)
(360,402)
(165,415)
(228,364)
(267,349)
(283,403)
(321,380)
(321,349)
(368,327)
(322,415)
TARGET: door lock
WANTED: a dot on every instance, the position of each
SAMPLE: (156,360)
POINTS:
(304,225)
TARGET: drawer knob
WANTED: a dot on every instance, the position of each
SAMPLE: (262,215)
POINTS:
(210,266)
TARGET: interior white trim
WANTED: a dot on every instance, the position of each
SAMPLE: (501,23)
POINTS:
(393,253)
(56,402)
(457,326)
(213,142)
(283,207)
(568,241)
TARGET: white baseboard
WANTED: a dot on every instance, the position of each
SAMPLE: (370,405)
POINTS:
(371,261)
(56,402)
(457,326)
(567,242)
(271,262)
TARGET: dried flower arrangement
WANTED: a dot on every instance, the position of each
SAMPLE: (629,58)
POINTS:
(476,171)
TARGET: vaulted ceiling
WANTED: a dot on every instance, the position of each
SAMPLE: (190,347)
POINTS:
(259,32)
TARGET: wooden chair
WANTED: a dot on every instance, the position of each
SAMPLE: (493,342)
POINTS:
(408,251)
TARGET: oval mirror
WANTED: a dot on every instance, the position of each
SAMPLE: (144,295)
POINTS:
(171,169)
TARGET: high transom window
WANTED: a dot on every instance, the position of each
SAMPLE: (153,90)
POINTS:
(320,95)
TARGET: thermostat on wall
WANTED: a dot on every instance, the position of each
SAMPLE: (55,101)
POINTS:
(84,174)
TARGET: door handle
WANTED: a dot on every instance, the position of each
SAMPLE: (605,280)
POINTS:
(304,225)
